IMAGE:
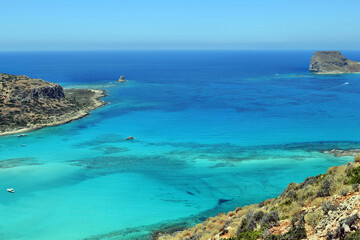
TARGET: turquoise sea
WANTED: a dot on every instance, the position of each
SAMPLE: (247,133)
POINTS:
(213,130)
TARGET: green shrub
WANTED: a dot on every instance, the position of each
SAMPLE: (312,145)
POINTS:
(274,237)
(328,206)
(326,186)
(345,190)
(269,219)
(314,218)
(287,202)
(353,236)
(297,231)
(249,235)
(353,176)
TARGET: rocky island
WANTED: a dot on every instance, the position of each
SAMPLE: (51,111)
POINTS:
(27,104)
(121,79)
(332,62)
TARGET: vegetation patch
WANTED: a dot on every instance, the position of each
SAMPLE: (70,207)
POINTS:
(353,176)
(249,235)
(353,236)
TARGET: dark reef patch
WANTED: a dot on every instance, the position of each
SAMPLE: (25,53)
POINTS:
(190,193)
(130,163)
(103,139)
(228,155)
(110,149)
(221,201)
(17,162)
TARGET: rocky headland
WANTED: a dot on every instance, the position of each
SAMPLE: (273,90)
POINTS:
(27,104)
(325,207)
(343,152)
(332,62)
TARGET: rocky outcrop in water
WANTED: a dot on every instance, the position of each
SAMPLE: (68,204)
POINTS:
(342,152)
(27,103)
(121,79)
(332,62)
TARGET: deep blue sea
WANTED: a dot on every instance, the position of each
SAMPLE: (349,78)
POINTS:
(213,130)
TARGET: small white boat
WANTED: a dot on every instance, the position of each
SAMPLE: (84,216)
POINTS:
(10,190)
(22,135)
(346,83)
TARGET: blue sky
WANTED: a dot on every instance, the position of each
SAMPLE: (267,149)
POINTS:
(179,24)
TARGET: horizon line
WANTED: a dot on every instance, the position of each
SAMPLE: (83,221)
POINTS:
(164,50)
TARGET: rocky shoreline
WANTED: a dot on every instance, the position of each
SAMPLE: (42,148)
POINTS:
(29,104)
(342,152)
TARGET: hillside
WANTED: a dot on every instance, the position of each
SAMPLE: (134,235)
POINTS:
(323,207)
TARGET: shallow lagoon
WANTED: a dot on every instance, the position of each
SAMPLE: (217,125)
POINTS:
(209,127)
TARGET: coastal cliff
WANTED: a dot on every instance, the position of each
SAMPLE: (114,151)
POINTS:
(324,207)
(332,62)
(27,104)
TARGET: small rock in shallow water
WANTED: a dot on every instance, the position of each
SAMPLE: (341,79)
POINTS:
(121,79)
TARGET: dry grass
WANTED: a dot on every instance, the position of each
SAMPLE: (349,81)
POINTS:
(357,158)
(314,218)
(317,202)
